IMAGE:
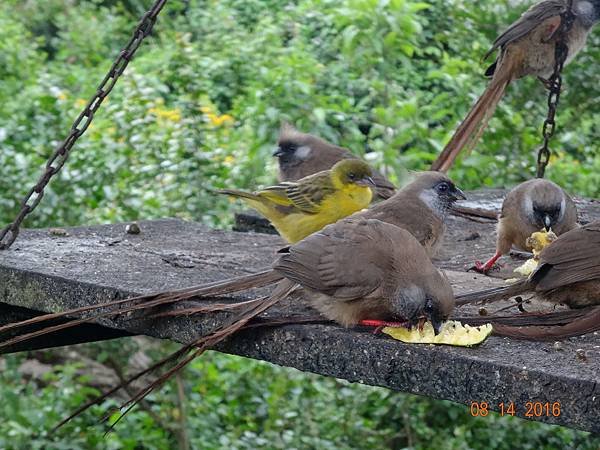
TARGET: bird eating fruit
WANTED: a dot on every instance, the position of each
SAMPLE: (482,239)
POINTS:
(529,207)
(568,272)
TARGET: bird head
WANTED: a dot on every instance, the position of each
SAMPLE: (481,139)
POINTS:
(434,303)
(293,146)
(353,171)
(436,190)
(587,11)
(546,217)
(545,204)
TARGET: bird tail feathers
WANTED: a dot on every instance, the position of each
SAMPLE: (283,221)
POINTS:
(239,194)
(493,294)
(541,326)
(473,126)
(143,302)
(189,352)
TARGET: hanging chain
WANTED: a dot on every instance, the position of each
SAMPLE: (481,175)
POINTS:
(561,51)
(61,154)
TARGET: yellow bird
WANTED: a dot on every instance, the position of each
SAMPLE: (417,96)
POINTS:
(299,208)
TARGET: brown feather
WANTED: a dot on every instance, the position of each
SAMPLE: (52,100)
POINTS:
(568,272)
(123,306)
(585,324)
(471,128)
(192,350)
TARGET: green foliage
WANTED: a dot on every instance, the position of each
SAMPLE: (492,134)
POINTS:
(199,108)
(235,403)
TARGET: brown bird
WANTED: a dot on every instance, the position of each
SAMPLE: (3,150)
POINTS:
(421,207)
(568,272)
(365,269)
(529,207)
(300,155)
(527,47)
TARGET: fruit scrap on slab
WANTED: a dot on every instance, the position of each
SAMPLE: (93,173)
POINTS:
(452,333)
(536,242)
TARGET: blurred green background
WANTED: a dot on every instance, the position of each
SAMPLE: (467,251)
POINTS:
(200,108)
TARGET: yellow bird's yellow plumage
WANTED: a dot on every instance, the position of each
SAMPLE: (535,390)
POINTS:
(298,209)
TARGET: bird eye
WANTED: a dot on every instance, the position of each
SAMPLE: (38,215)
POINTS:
(428,308)
(352,176)
(443,187)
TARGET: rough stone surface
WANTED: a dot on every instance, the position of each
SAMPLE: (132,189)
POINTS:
(46,272)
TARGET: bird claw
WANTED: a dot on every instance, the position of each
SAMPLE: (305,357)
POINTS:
(484,269)
(479,267)
(546,82)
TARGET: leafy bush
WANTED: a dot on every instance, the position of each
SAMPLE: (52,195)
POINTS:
(235,403)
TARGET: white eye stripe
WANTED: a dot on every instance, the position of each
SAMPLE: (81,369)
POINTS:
(563,205)
(303,152)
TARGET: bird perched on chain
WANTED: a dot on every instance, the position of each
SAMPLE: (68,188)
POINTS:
(421,207)
(301,154)
(527,47)
(299,208)
(568,272)
(529,207)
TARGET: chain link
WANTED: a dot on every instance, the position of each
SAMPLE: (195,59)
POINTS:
(561,51)
(58,159)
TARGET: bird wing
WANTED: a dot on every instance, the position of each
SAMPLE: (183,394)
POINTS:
(406,210)
(572,258)
(346,260)
(530,19)
(306,194)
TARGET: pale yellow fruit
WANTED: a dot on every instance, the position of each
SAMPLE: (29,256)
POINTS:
(451,333)
(540,240)
(536,242)
(527,267)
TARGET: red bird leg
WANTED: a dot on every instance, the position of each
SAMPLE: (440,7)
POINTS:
(485,268)
(380,324)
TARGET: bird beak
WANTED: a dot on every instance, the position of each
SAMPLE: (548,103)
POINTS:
(547,222)
(436,324)
(366,181)
(457,194)
(277,152)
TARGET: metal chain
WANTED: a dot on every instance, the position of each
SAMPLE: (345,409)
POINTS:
(561,51)
(83,121)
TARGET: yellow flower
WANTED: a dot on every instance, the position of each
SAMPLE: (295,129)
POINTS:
(61,96)
(172,115)
(219,120)
(206,109)
(229,160)
(80,103)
